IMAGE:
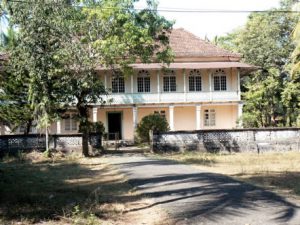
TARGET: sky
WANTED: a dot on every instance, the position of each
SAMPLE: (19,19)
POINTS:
(208,24)
(211,24)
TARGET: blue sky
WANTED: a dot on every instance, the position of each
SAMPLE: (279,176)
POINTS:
(211,24)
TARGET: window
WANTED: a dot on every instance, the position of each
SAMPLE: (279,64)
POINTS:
(220,82)
(195,83)
(209,117)
(169,81)
(118,84)
(161,112)
(143,81)
(32,128)
(70,122)
(23,127)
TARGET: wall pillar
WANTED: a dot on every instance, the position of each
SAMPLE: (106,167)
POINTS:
(58,127)
(158,86)
(134,117)
(171,116)
(105,81)
(198,117)
(210,84)
(131,84)
(240,113)
(239,84)
(95,114)
(184,84)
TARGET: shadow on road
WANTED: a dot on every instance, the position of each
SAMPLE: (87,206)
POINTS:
(188,193)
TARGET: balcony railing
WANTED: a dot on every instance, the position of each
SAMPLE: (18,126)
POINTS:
(172,97)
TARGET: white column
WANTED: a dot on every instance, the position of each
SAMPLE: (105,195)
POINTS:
(105,81)
(210,84)
(158,86)
(239,84)
(240,113)
(132,84)
(184,84)
(58,127)
(198,117)
(95,114)
(135,116)
(171,117)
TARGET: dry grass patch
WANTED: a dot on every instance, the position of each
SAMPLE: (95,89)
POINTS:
(61,190)
(276,171)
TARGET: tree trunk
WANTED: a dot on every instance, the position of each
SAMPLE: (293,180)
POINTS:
(85,143)
(84,126)
(28,126)
(47,152)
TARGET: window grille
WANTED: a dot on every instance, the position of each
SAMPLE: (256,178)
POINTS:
(220,80)
(70,122)
(161,113)
(143,81)
(209,117)
(195,82)
(169,81)
(118,84)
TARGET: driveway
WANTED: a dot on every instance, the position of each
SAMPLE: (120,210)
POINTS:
(191,196)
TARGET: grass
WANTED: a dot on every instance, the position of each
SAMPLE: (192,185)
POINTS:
(276,171)
(61,190)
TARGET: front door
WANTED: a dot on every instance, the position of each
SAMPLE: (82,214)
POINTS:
(114,125)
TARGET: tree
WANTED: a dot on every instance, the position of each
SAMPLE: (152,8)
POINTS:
(15,108)
(296,53)
(40,37)
(266,42)
(291,94)
(62,44)
(152,122)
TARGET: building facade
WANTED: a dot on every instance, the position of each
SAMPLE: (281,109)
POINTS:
(199,90)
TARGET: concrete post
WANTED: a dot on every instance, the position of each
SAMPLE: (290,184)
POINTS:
(198,117)
(95,114)
(134,118)
(240,113)
(58,127)
(171,116)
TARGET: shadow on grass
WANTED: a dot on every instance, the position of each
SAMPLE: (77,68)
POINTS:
(279,180)
(49,191)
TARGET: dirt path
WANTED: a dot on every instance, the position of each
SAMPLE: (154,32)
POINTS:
(186,195)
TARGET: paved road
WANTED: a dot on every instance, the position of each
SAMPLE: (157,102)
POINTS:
(191,196)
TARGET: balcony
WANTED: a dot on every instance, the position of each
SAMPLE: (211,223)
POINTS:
(172,97)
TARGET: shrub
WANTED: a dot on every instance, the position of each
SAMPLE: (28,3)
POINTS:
(153,122)
(94,127)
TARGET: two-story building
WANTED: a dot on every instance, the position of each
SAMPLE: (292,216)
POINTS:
(199,90)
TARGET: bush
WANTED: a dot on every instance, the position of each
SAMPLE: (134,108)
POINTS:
(151,122)
(94,127)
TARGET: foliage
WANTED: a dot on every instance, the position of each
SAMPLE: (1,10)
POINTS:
(94,127)
(152,122)
(266,42)
(61,45)
(15,109)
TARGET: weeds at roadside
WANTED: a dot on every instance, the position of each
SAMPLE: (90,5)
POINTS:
(65,189)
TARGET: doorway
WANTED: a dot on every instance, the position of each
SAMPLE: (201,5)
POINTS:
(114,121)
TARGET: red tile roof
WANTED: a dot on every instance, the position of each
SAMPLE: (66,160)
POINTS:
(186,44)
